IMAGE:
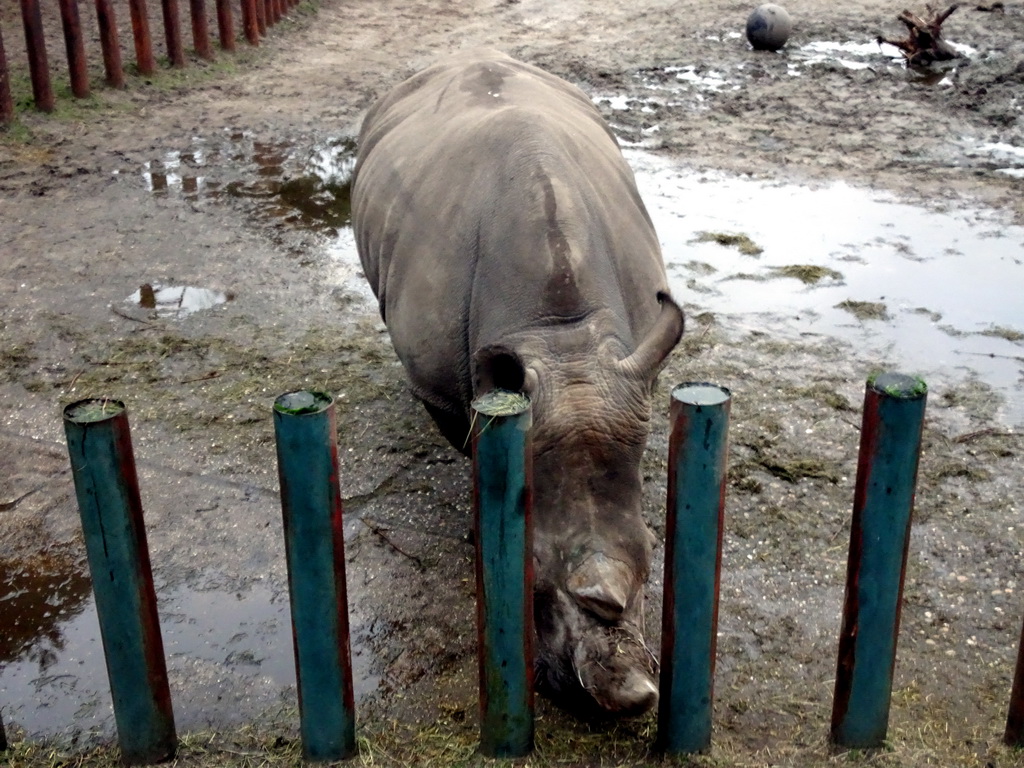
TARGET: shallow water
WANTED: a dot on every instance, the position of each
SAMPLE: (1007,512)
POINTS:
(176,300)
(950,281)
(229,656)
(301,185)
(947,281)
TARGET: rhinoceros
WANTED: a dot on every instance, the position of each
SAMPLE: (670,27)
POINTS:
(502,233)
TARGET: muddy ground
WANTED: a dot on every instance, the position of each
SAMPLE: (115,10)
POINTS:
(198,180)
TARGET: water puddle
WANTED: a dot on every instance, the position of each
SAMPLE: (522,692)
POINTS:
(36,598)
(934,292)
(851,55)
(943,287)
(306,187)
(229,656)
(685,87)
(281,183)
(997,156)
(177,300)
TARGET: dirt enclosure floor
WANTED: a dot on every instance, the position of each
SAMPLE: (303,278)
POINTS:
(183,246)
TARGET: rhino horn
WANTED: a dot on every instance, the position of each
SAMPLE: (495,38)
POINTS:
(660,340)
(601,585)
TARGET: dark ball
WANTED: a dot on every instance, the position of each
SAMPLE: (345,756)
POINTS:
(768,27)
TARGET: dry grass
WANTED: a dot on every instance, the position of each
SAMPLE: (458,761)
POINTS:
(793,732)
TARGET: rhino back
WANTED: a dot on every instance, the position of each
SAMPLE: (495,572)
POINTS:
(490,198)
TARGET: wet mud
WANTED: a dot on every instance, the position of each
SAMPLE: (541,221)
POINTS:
(825,214)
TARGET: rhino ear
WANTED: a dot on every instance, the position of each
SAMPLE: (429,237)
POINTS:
(660,340)
(499,367)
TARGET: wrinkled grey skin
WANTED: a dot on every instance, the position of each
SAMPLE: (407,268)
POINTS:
(503,235)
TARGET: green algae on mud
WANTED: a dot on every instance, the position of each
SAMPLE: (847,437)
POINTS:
(999,332)
(808,274)
(741,242)
(865,310)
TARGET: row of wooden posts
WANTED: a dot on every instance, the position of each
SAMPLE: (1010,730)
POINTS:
(103,467)
(257,17)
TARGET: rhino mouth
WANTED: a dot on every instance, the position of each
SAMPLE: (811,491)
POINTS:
(608,673)
(591,657)
(616,670)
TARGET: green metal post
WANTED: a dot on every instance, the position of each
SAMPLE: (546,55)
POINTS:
(3,734)
(883,503)
(307,457)
(698,453)
(107,487)
(502,502)
(1014,733)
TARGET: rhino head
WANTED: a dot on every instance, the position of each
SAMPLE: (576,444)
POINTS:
(592,549)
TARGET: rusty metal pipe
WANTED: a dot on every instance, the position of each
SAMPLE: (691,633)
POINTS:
(6,102)
(78,68)
(1014,734)
(503,508)
(250,22)
(307,458)
(697,458)
(883,503)
(172,33)
(225,25)
(261,16)
(110,43)
(107,489)
(143,40)
(39,68)
(200,29)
